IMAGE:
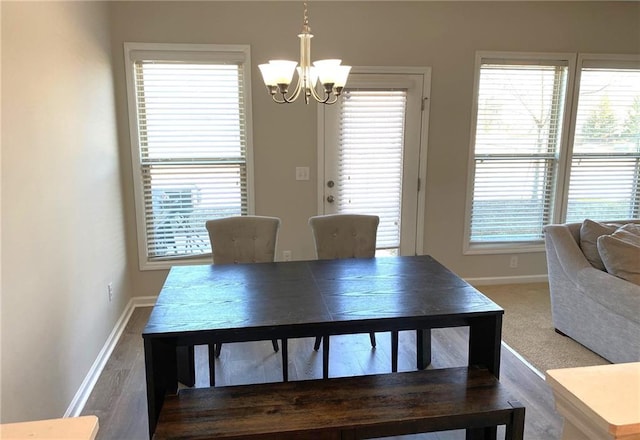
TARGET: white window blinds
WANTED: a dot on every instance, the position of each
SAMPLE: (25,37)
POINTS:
(520,108)
(191,147)
(605,166)
(370,158)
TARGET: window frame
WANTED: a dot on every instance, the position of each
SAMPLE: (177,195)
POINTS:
(584,60)
(569,59)
(383,77)
(180,52)
(564,156)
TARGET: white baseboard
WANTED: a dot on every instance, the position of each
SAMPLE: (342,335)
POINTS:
(82,395)
(524,361)
(508,280)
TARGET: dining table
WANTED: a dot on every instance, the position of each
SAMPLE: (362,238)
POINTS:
(209,304)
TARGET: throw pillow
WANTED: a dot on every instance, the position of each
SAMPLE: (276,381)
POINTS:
(629,232)
(620,252)
(589,233)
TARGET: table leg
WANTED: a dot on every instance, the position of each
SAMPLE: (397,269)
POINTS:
(186,365)
(212,364)
(488,433)
(160,362)
(325,357)
(423,348)
(394,351)
(485,335)
(285,360)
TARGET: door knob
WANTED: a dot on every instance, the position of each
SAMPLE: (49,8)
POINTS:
(330,199)
(330,183)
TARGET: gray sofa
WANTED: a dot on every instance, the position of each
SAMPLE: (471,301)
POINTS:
(593,307)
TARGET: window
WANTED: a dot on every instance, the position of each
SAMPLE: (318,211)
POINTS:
(520,107)
(605,171)
(190,139)
(527,170)
(370,158)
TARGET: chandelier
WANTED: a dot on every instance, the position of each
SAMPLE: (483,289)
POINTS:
(278,74)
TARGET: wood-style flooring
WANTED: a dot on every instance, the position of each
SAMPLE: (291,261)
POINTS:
(119,397)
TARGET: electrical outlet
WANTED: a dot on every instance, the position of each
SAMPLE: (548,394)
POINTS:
(110,291)
(513,262)
(286,255)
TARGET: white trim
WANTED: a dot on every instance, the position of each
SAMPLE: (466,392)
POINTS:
(573,88)
(503,248)
(82,395)
(422,167)
(424,74)
(546,58)
(144,301)
(487,281)
(524,361)
(227,52)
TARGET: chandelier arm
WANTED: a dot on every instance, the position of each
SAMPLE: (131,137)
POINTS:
(294,95)
(317,97)
(329,102)
(278,101)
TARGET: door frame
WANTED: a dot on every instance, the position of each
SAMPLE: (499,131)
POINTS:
(424,136)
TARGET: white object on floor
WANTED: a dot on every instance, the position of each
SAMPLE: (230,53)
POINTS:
(70,428)
(598,402)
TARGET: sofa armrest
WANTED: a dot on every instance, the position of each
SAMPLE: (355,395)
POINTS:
(616,294)
(559,239)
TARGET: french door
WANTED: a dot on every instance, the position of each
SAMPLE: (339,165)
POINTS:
(372,154)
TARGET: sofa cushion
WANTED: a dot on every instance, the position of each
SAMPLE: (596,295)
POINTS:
(620,252)
(589,233)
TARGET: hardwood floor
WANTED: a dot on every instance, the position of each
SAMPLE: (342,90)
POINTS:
(119,397)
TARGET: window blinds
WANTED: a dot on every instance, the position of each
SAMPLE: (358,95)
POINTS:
(192,145)
(605,166)
(520,110)
(370,158)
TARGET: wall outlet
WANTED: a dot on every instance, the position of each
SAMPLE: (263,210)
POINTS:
(110,291)
(286,255)
(513,262)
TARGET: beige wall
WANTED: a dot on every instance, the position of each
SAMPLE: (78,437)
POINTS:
(62,210)
(442,35)
(68,228)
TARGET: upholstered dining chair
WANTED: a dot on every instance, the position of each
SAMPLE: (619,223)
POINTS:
(344,236)
(242,239)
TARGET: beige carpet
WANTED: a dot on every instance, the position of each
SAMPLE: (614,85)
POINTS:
(528,330)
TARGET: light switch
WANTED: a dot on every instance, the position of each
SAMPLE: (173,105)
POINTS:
(302,173)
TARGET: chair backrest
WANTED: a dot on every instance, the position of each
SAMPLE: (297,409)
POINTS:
(345,235)
(243,239)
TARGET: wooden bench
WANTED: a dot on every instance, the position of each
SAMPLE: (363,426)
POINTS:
(345,408)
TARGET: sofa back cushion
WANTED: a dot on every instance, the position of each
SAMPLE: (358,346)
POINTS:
(589,233)
(620,252)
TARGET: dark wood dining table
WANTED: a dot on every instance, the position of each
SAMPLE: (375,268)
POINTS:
(207,304)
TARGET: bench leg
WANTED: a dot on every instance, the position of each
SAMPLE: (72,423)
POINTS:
(515,430)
